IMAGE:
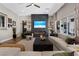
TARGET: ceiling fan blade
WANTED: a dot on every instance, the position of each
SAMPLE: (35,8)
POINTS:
(29,5)
(36,5)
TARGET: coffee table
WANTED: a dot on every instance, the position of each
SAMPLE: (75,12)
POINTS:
(45,45)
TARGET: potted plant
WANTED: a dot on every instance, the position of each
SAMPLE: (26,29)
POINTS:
(14,33)
(70,40)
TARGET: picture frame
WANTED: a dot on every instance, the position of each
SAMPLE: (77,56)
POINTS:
(9,22)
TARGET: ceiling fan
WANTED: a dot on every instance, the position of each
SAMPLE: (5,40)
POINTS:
(33,5)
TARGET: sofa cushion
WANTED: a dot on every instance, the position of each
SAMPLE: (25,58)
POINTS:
(7,51)
(50,53)
(64,54)
(30,53)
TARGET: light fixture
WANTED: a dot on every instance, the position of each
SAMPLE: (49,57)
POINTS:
(32,4)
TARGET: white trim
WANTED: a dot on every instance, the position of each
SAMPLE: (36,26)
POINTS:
(5,40)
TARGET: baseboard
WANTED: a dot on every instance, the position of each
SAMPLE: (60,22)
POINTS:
(5,40)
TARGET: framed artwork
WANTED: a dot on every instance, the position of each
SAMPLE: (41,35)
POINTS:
(9,22)
(14,23)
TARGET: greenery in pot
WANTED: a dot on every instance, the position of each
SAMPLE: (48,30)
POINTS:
(70,40)
(23,35)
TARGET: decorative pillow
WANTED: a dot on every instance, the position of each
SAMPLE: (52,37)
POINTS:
(77,40)
(70,40)
(64,54)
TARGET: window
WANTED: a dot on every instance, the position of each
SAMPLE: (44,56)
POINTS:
(71,27)
(2,21)
(66,26)
(58,26)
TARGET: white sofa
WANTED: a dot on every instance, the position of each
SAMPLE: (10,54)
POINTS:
(6,51)
(43,53)
(60,45)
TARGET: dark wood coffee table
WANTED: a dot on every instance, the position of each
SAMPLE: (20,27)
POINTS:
(45,45)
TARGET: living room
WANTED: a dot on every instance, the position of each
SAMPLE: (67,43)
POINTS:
(39,29)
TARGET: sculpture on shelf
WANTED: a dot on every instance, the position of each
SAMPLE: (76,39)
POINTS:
(42,38)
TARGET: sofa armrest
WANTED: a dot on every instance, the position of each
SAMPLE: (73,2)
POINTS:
(50,53)
(59,43)
(7,51)
(22,48)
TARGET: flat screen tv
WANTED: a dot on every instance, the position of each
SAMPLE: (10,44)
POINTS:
(39,24)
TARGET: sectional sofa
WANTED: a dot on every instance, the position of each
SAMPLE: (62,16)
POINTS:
(59,46)
(8,51)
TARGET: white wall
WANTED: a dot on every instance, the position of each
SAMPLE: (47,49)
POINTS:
(67,10)
(7,34)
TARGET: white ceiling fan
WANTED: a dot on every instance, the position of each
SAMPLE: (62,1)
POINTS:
(33,5)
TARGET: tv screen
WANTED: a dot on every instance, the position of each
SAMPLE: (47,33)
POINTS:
(39,24)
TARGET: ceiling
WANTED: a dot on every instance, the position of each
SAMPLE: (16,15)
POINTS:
(21,9)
